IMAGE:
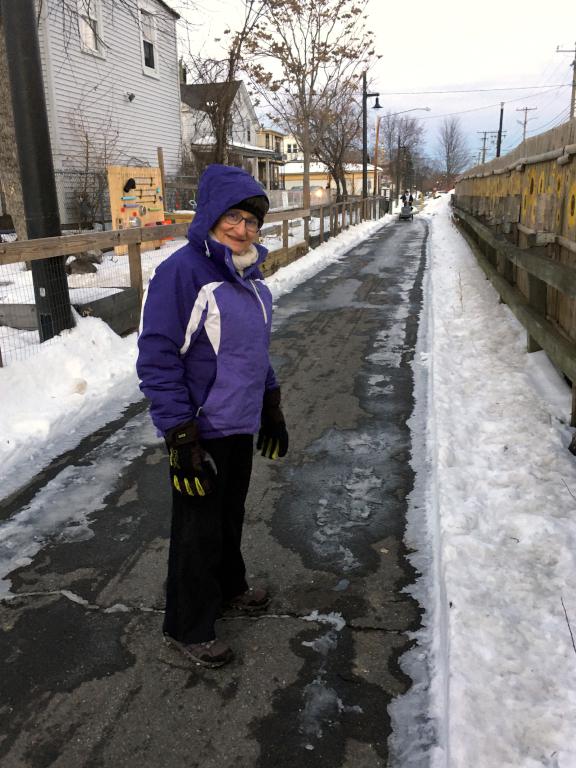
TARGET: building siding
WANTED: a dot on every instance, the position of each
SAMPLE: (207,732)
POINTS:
(90,90)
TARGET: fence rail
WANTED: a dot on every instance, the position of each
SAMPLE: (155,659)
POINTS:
(500,259)
(520,211)
(126,293)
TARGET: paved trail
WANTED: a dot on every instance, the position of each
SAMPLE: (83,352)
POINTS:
(86,682)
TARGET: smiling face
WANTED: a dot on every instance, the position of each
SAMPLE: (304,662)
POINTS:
(239,235)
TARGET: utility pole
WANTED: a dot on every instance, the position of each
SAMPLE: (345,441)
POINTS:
(397,196)
(573,65)
(365,97)
(499,142)
(35,162)
(484,140)
(525,121)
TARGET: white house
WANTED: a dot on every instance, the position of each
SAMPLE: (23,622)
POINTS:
(246,138)
(320,178)
(110,70)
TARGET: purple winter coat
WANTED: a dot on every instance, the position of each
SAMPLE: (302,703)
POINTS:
(205,331)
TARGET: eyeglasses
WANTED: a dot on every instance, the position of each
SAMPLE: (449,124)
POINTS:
(235,217)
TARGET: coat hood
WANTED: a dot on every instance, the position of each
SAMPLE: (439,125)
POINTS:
(221,187)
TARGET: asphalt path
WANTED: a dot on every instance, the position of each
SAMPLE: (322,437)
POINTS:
(86,679)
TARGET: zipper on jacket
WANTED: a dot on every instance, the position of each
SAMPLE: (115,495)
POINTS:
(260,300)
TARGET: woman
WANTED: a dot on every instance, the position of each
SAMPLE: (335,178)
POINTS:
(203,363)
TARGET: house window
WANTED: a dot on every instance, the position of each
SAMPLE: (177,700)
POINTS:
(88,26)
(148,33)
(248,135)
(267,141)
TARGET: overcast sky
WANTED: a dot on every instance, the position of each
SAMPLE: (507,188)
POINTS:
(457,46)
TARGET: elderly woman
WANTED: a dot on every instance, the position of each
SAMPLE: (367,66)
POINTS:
(203,363)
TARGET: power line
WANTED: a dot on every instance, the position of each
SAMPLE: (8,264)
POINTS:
(526,118)
(479,90)
(561,117)
(473,109)
(573,65)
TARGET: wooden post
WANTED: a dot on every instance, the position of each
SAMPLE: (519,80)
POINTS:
(321,224)
(537,300)
(160,153)
(135,264)
(285,233)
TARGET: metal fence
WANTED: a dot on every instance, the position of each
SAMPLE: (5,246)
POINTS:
(83,199)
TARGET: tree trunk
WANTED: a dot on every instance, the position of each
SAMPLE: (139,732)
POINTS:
(9,166)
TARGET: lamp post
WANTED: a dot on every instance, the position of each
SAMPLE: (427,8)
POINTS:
(365,97)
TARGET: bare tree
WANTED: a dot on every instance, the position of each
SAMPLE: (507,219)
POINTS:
(98,142)
(453,150)
(310,44)
(402,137)
(225,72)
(334,132)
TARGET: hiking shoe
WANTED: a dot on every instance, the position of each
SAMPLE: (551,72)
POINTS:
(253,600)
(213,653)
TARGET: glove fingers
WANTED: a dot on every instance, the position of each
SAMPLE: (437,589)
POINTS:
(195,486)
(283,446)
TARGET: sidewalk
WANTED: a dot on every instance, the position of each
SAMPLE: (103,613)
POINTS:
(86,680)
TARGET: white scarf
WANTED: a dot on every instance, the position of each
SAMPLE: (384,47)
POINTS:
(246,259)
(242,260)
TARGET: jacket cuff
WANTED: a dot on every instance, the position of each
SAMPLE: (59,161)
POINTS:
(272,398)
(182,434)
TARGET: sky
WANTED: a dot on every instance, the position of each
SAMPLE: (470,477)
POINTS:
(491,520)
(454,46)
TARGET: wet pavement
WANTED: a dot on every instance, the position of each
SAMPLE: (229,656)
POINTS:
(86,680)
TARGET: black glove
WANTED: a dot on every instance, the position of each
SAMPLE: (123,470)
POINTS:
(272,437)
(192,469)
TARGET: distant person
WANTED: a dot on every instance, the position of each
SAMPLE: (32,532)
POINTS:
(203,363)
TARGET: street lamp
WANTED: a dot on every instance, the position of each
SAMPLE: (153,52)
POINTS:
(365,97)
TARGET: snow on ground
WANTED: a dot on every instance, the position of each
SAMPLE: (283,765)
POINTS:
(500,493)
(86,377)
(492,513)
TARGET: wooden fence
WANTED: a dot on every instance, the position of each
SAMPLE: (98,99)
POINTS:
(338,215)
(520,213)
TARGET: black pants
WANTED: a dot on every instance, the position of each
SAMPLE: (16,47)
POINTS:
(205,564)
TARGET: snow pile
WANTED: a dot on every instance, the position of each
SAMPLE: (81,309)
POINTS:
(77,382)
(502,516)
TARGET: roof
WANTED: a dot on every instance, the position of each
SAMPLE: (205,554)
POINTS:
(296,168)
(202,95)
(248,150)
(171,10)
(275,131)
